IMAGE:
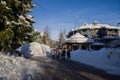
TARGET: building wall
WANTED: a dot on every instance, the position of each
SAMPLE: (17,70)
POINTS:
(98,32)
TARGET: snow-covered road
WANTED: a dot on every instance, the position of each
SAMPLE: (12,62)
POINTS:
(106,59)
(42,68)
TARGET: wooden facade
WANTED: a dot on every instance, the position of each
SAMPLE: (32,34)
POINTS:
(98,32)
(95,30)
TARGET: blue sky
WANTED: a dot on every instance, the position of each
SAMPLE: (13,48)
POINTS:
(61,14)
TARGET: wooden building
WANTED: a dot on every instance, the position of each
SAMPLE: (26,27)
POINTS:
(95,30)
(100,33)
(78,41)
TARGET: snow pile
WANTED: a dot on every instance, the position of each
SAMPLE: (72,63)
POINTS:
(106,59)
(33,49)
(18,68)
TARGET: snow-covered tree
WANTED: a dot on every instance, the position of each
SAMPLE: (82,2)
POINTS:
(61,39)
(14,19)
(46,36)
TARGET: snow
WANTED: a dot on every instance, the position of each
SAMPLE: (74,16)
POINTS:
(41,33)
(77,35)
(16,23)
(22,17)
(78,38)
(28,34)
(8,23)
(30,17)
(28,5)
(26,20)
(27,23)
(3,2)
(33,49)
(28,10)
(8,8)
(107,59)
(33,5)
(17,1)
(17,68)
(92,26)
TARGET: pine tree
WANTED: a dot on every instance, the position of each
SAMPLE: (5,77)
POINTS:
(46,36)
(14,19)
(61,38)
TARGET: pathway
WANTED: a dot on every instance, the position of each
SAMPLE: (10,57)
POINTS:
(71,70)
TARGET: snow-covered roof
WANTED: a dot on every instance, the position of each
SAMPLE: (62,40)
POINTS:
(78,38)
(78,35)
(92,26)
(95,25)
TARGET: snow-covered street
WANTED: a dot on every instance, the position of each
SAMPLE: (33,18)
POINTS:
(59,40)
(14,67)
(84,65)
(107,59)
(43,68)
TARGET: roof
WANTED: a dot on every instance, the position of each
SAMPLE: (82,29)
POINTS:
(92,26)
(95,25)
(78,38)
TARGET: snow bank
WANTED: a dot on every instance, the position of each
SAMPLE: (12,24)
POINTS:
(3,2)
(33,49)
(18,68)
(106,59)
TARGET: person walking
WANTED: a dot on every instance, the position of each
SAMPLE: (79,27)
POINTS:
(63,54)
(68,54)
(53,53)
(57,53)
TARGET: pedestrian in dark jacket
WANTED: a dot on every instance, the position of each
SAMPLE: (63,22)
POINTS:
(68,54)
(63,54)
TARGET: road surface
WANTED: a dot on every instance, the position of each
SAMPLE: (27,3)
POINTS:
(70,70)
